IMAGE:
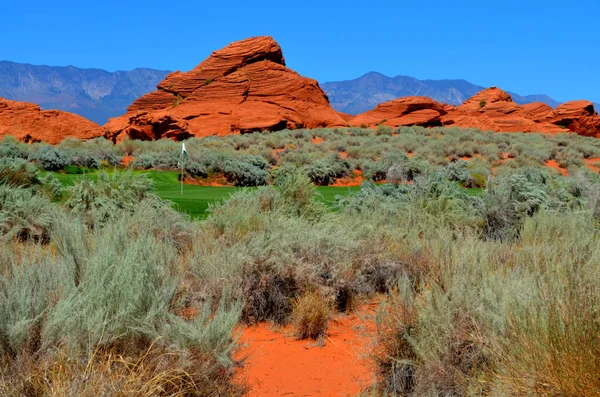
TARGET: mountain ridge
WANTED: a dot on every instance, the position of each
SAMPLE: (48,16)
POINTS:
(367,91)
(93,93)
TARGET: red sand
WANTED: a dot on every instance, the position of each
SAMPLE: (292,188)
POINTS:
(276,364)
(127,160)
(316,140)
(593,164)
(217,180)
(354,179)
(554,165)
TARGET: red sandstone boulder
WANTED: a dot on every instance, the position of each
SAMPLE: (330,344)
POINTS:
(28,123)
(244,87)
(577,116)
(414,110)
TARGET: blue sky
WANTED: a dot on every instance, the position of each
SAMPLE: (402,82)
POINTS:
(526,46)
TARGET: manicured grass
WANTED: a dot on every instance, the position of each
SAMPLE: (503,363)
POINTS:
(196,199)
(474,191)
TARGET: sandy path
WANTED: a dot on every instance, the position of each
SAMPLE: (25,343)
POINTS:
(278,365)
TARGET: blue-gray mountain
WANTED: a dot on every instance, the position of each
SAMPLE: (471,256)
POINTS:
(93,93)
(366,92)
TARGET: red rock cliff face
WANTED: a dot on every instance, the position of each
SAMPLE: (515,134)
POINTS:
(491,109)
(28,123)
(244,87)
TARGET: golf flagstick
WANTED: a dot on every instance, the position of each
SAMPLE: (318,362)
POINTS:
(183,153)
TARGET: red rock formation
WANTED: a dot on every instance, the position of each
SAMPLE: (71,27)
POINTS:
(491,109)
(484,98)
(27,122)
(244,87)
(414,110)
(538,111)
(345,116)
(494,110)
(577,116)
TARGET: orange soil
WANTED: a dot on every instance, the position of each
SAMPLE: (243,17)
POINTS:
(554,165)
(127,160)
(276,152)
(409,154)
(467,158)
(343,155)
(276,364)
(593,164)
(354,179)
(316,140)
(213,180)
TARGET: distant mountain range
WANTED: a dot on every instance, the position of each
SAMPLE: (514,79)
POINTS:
(364,93)
(93,93)
(99,95)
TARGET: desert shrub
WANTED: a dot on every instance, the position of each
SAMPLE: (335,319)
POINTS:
(144,161)
(476,180)
(50,158)
(299,195)
(108,292)
(242,173)
(374,170)
(487,316)
(570,158)
(24,214)
(278,174)
(320,172)
(98,200)
(311,314)
(10,147)
(195,169)
(395,354)
(507,201)
(17,172)
(404,169)
(383,130)
(457,171)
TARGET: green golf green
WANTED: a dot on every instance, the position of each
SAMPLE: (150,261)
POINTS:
(196,199)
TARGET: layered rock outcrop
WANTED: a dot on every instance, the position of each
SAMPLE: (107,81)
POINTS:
(244,87)
(494,110)
(491,109)
(413,110)
(29,123)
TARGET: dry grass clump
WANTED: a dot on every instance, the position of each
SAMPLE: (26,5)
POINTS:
(311,315)
(155,371)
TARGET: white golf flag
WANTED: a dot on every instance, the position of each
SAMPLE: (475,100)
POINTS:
(183,151)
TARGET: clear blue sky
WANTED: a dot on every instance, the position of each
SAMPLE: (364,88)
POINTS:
(526,46)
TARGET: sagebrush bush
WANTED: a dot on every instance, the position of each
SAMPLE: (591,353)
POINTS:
(18,172)
(51,158)
(25,214)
